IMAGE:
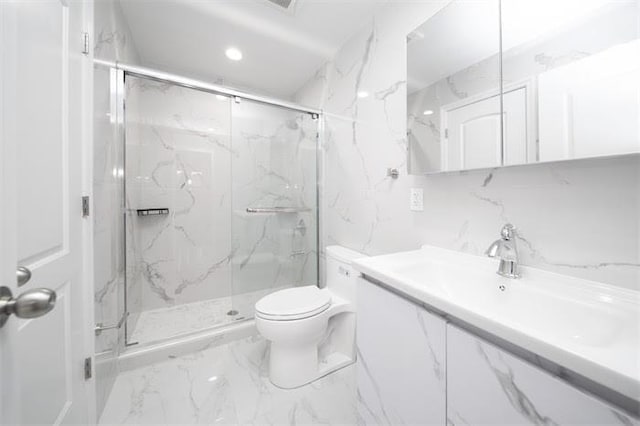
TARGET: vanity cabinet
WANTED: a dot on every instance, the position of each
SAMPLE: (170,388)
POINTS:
(401,360)
(415,367)
(486,385)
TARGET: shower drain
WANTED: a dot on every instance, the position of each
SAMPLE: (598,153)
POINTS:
(232,312)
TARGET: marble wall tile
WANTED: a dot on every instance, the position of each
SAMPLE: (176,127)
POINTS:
(569,214)
(112,42)
(113,39)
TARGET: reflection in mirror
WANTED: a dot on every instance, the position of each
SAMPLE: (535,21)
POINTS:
(570,82)
(571,72)
(453,86)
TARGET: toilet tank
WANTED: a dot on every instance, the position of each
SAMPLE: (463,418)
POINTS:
(341,277)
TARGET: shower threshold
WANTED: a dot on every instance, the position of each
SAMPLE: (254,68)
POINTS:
(163,324)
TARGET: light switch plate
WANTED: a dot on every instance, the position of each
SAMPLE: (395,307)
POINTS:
(416,199)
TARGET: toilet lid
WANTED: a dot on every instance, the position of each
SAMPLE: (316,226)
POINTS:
(293,303)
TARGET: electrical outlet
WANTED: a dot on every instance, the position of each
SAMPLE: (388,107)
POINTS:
(416,200)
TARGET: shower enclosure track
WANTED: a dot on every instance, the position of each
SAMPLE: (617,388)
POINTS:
(204,86)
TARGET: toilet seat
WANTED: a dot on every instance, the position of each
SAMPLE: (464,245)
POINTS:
(293,304)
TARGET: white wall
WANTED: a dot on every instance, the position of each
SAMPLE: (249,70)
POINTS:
(579,218)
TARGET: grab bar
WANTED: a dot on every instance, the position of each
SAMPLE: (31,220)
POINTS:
(277,209)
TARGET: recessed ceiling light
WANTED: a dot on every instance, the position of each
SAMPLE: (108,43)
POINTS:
(427,112)
(363,94)
(233,53)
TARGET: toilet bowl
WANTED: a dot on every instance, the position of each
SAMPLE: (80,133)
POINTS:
(311,331)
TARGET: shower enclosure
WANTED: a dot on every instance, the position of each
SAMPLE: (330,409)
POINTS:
(219,199)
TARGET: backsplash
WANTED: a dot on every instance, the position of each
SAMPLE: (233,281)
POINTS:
(580,218)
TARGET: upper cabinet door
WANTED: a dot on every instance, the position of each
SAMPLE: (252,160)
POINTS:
(583,58)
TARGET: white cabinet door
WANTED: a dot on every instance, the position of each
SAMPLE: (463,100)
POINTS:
(486,385)
(590,107)
(41,122)
(401,360)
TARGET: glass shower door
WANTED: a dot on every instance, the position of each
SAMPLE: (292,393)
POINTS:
(178,222)
(275,203)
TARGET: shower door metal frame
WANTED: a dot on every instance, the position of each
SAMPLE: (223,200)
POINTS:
(190,83)
(118,96)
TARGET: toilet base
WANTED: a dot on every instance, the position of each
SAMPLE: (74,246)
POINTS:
(293,367)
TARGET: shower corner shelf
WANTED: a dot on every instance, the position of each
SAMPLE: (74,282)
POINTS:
(153,212)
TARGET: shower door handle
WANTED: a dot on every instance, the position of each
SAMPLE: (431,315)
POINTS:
(277,209)
(99,328)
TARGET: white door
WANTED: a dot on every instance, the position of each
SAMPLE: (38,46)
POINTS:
(473,138)
(42,123)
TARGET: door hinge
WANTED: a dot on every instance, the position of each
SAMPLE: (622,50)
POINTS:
(85,206)
(85,43)
(446,133)
(88,369)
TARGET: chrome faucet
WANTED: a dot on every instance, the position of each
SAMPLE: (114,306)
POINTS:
(505,249)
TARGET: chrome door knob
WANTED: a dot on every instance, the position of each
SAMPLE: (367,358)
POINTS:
(30,304)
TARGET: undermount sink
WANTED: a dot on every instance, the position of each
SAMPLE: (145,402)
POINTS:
(590,328)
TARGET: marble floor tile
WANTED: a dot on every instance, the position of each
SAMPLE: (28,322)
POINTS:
(229,385)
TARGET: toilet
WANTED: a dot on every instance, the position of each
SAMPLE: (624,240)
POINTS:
(311,331)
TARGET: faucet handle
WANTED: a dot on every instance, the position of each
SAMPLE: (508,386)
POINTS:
(508,232)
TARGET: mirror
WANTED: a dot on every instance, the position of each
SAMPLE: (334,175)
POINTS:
(453,74)
(565,83)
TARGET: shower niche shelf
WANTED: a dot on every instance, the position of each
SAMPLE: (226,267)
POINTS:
(153,212)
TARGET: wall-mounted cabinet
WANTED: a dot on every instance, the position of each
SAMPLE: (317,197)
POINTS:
(416,368)
(498,83)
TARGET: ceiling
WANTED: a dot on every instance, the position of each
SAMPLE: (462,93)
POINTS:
(282,49)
